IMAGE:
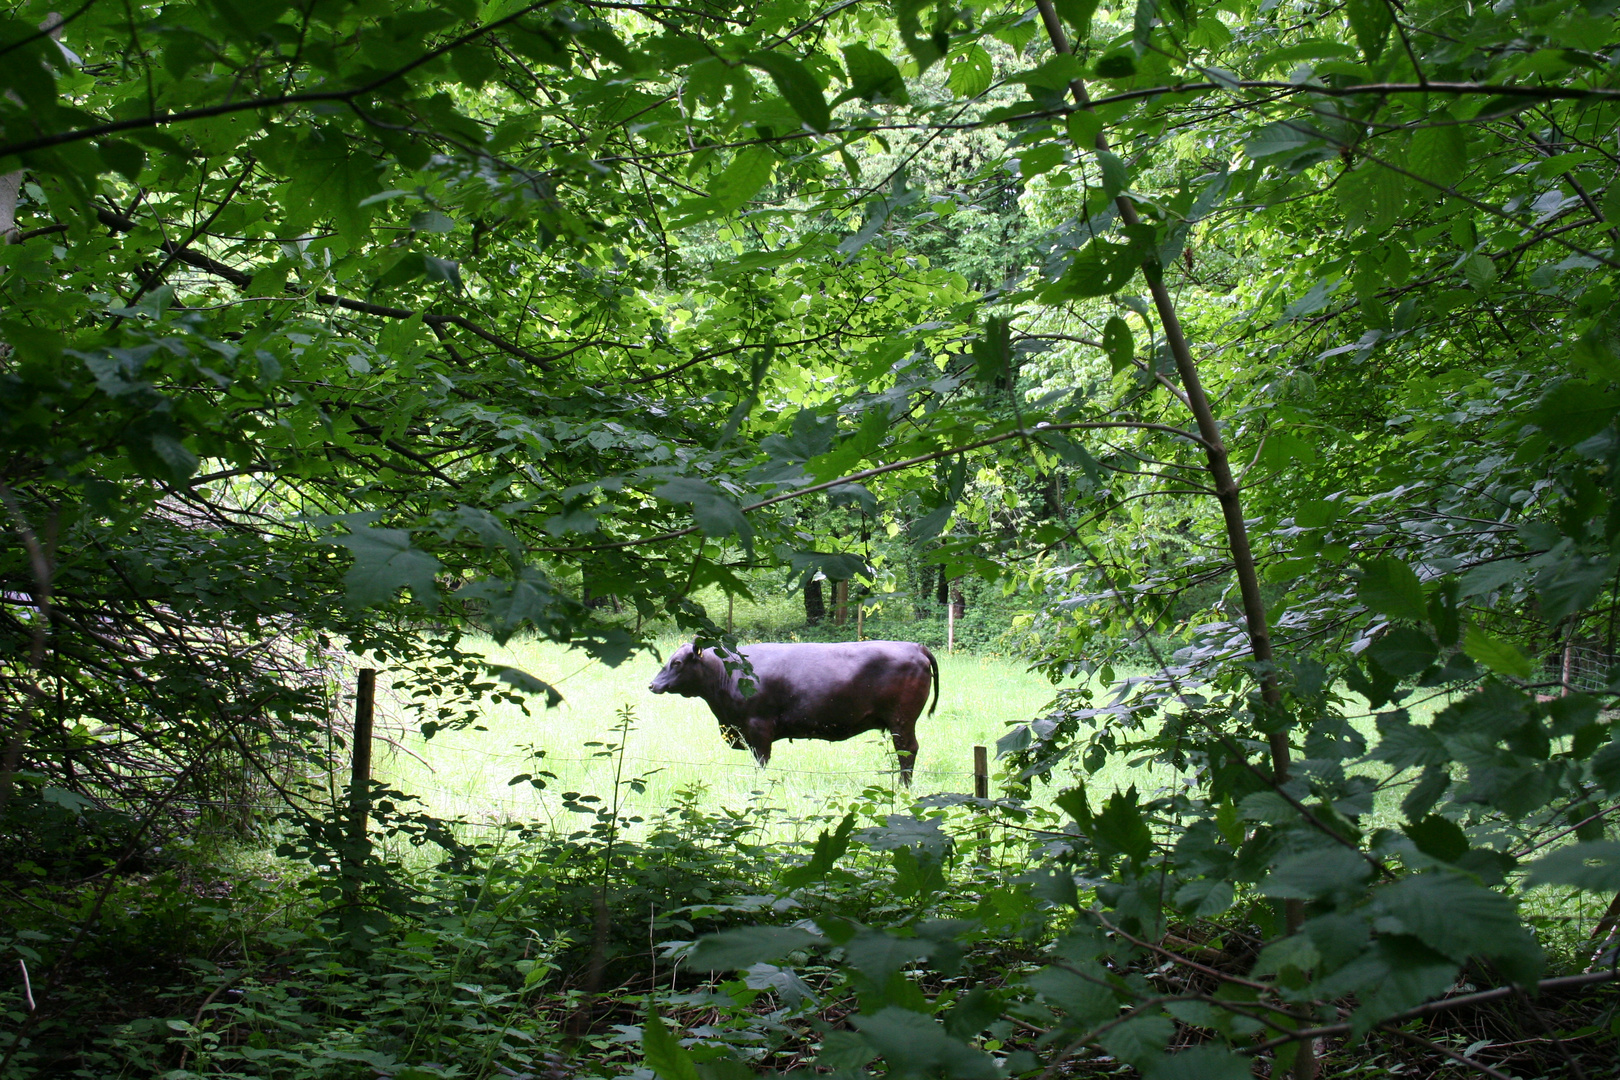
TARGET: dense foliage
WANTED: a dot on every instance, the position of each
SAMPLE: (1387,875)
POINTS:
(1275,341)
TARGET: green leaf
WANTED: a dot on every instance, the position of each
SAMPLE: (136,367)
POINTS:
(1571,585)
(1140,1040)
(992,351)
(1590,867)
(1371,196)
(1317,873)
(1120,827)
(1118,344)
(971,72)
(1403,651)
(125,158)
(830,846)
(1611,204)
(914,1045)
(665,1056)
(528,684)
(749,171)
(844,1050)
(1119,65)
(1083,999)
(1438,837)
(1084,127)
(1077,13)
(797,86)
(1479,270)
(1502,657)
(1575,410)
(973,1012)
(1606,767)
(1405,745)
(1115,176)
(1200,1063)
(1459,919)
(873,76)
(1390,587)
(1439,151)
(715,514)
(878,954)
(733,950)
(1282,137)
(1099,269)
(385,562)
(1370,21)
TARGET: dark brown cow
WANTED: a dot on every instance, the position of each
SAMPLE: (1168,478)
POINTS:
(811,691)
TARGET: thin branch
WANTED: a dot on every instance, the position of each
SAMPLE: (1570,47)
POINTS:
(893,466)
(1564,982)
(347,97)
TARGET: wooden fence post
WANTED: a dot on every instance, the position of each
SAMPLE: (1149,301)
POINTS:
(365,699)
(950,627)
(981,790)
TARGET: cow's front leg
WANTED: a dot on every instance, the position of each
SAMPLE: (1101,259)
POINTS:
(761,733)
(905,747)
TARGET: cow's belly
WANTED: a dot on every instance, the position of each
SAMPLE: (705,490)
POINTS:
(835,727)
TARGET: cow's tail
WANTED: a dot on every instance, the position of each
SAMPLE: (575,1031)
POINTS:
(934,666)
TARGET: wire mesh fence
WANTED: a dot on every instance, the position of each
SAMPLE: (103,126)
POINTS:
(1580,665)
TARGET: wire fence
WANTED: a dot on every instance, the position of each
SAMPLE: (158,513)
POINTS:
(1581,665)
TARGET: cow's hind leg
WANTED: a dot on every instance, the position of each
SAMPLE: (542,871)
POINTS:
(905,747)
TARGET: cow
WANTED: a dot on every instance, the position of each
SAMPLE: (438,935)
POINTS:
(811,691)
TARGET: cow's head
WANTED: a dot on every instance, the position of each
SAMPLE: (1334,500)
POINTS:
(686,674)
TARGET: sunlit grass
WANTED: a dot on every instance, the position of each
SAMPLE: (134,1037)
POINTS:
(675,745)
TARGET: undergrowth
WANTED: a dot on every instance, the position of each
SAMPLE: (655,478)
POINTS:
(542,954)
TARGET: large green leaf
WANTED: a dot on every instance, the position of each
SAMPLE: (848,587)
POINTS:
(716,515)
(385,562)
(732,950)
(1317,873)
(914,1045)
(873,76)
(1390,587)
(1591,867)
(797,86)
(970,72)
(1439,150)
(1370,21)
(665,1056)
(1460,919)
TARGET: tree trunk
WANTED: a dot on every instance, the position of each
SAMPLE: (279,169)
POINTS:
(815,604)
(840,603)
(1227,492)
(958,602)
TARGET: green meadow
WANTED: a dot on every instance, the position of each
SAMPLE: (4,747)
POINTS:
(673,750)
(675,746)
